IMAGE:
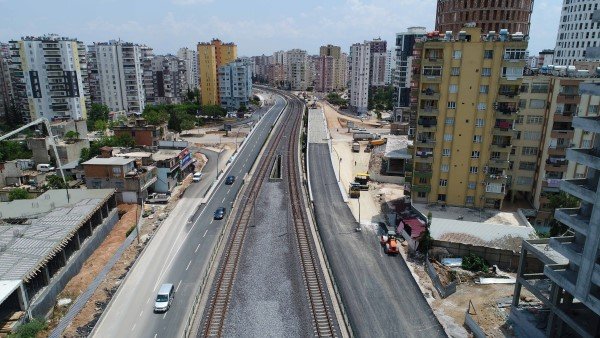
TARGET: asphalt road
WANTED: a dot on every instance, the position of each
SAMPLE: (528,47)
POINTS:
(179,253)
(378,291)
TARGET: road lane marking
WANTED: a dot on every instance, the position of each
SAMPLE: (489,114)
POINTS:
(228,191)
(155,335)
(188,266)
(198,247)
(141,313)
(148,301)
(223,201)
(165,315)
(179,283)
(133,327)
(212,221)
(205,233)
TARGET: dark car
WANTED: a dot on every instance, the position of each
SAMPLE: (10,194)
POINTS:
(229,180)
(220,213)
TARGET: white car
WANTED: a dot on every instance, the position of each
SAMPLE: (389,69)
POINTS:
(197,177)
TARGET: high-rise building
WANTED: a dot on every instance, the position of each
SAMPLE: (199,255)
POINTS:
(578,32)
(298,69)
(211,56)
(190,57)
(489,15)
(378,52)
(235,84)
(342,72)
(404,56)
(120,76)
(261,67)
(462,145)
(330,50)
(330,69)
(49,74)
(390,64)
(360,68)
(563,272)
(325,74)
(169,79)
(5,82)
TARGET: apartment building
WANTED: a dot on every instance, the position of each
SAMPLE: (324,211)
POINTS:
(276,75)
(578,35)
(261,67)
(297,70)
(169,79)
(404,55)
(378,60)
(190,59)
(235,84)
(467,89)
(143,133)
(489,15)
(360,69)
(566,282)
(211,56)
(116,67)
(48,75)
(5,82)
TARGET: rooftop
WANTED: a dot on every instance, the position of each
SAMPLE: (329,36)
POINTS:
(491,228)
(135,154)
(397,147)
(165,154)
(26,246)
(109,161)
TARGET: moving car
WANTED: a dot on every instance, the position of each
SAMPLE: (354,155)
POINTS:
(220,213)
(197,177)
(229,180)
(164,298)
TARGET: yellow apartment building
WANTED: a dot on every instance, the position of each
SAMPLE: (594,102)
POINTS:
(467,90)
(212,55)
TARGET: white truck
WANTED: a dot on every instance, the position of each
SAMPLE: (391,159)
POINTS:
(355,147)
(359,136)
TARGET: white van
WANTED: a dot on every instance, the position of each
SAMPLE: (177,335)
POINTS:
(44,167)
(164,298)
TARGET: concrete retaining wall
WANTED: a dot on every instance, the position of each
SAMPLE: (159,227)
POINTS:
(444,291)
(473,326)
(505,259)
(46,299)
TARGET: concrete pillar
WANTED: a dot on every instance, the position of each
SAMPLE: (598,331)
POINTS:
(46,275)
(63,254)
(520,272)
(77,241)
(553,319)
(22,294)
(89,223)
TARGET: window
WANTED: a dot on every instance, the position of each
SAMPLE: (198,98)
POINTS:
(484,89)
(479,122)
(456,54)
(481,106)
(447,137)
(497,188)
(449,121)
(523,180)
(514,54)
(530,166)
(475,154)
(522,103)
(537,104)
(455,71)
(451,105)
(593,109)
(539,87)
(441,197)
(529,151)
(586,143)
(422,180)
(443,182)
(488,54)
(535,119)
(486,72)
(444,168)
(116,171)
(532,135)
(524,88)
(472,185)
(453,88)
(512,72)
(477,138)
(445,152)
(432,70)
(421,194)
(473,170)
(470,200)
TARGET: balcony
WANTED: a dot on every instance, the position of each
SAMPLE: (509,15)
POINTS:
(423,173)
(559,150)
(423,159)
(587,157)
(496,178)
(501,131)
(495,195)
(508,97)
(431,78)
(433,61)
(568,98)
(427,125)
(507,114)
(501,147)
(563,116)
(567,247)
(428,111)
(579,188)
(421,187)
(566,134)
(561,275)
(573,219)
(501,164)
(587,123)
(556,165)
(425,143)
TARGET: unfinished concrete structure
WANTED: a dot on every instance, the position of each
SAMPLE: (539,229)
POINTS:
(568,287)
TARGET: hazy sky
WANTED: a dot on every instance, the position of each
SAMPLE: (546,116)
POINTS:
(257,27)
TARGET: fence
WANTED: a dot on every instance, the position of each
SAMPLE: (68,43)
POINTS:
(444,291)
(472,324)
(505,259)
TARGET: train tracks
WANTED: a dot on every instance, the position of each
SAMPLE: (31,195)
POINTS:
(286,141)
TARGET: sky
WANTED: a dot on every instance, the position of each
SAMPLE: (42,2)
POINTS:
(257,26)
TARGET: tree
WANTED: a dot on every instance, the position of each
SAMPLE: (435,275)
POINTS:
(156,115)
(122,140)
(98,112)
(18,194)
(99,125)
(71,135)
(86,154)
(12,150)
(56,182)
(560,200)
(187,124)
(242,108)
(213,111)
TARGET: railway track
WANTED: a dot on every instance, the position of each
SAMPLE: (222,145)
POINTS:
(287,138)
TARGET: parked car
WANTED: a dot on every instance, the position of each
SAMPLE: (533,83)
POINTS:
(197,177)
(220,213)
(164,298)
(229,180)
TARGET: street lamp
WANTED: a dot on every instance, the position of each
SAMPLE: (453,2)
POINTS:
(358,229)
(339,162)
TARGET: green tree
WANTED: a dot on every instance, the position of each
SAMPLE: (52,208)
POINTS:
(213,111)
(156,115)
(71,135)
(560,200)
(187,124)
(86,154)
(29,330)
(18,194)
(100,125)
(98,112)
(242,108)
(56,182)
(123,140)
(12,150)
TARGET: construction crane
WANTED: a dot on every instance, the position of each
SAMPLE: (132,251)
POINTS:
(44,121)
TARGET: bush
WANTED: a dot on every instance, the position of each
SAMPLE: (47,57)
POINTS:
(18,194)
(473,262)
(29,330)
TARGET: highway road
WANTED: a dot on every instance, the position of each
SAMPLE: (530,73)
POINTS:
(378,291)
(179,253)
